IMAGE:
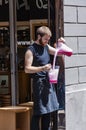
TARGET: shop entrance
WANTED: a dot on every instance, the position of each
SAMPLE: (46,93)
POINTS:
(30,15)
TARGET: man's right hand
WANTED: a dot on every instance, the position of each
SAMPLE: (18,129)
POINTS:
(47,67)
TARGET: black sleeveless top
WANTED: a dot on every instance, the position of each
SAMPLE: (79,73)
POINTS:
(40,57)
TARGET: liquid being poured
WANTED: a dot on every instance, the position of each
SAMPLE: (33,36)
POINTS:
(54,60)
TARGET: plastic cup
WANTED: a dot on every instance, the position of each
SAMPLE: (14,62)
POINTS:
(53,75)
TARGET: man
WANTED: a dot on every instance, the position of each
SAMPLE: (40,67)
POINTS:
(37,63)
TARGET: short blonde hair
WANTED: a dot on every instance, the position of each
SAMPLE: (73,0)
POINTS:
(43,30)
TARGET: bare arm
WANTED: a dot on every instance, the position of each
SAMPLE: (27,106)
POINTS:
(33,69)
(52,50)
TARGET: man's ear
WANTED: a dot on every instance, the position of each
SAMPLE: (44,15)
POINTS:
(39,37)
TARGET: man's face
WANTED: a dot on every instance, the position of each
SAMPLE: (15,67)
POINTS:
(44,40)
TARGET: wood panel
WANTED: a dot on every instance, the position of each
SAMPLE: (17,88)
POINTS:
(24,86)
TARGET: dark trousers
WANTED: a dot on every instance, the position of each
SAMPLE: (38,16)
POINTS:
(45,122)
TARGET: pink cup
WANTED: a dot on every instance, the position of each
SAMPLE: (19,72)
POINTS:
(53,75)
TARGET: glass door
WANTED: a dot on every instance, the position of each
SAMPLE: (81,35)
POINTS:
(55,20)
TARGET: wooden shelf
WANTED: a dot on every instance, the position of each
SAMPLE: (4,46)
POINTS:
(19,23)
(4,72)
